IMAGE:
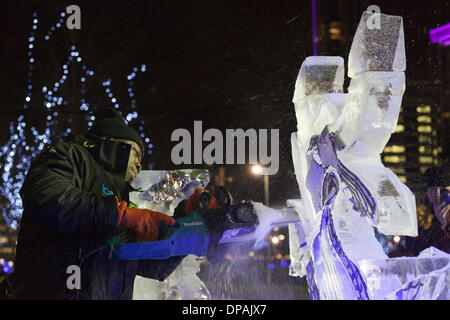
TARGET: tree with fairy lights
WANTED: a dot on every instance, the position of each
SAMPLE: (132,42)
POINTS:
(58,102)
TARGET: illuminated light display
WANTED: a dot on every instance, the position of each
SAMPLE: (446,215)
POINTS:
(17,153)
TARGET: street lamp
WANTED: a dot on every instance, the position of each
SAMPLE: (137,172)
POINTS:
(258,170)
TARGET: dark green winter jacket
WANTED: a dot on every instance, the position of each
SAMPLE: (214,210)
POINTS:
(70,214)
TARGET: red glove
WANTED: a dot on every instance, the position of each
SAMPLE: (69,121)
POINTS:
(192,202)
(143,222)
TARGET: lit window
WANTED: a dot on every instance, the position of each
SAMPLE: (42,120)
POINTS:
(424,129)
(394,159)
(424,139)
(425,159)
(423,169)
(423,109)
(394,149)
(335,30)
(398,170)
(424,119)
(400,128)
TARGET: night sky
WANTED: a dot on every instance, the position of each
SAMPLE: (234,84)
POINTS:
(231,64)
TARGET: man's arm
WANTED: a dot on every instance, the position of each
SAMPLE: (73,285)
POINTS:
(50,195)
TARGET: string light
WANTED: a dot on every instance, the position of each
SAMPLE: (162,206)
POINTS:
(17,153)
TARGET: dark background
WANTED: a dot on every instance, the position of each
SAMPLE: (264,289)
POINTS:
(231,64)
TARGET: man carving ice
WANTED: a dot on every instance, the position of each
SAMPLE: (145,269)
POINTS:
(75,199)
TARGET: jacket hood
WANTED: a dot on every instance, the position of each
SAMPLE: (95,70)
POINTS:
(112,156)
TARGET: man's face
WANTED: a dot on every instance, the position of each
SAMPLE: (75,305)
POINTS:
(134,161)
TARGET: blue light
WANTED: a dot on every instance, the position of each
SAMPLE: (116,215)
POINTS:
(271,266)
(17,153)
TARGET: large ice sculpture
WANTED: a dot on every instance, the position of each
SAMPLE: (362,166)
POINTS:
(346,191)
(162,190)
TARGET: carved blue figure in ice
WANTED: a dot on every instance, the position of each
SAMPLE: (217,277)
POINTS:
(346,191)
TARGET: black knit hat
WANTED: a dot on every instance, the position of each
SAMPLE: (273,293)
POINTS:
(111,124)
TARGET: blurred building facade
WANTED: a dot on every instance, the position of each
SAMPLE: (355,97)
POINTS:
(421,137)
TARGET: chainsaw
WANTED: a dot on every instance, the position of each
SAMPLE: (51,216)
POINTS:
(201,231)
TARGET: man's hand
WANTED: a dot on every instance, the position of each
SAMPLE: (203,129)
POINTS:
(442,213)
(143,222)
(197,199)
